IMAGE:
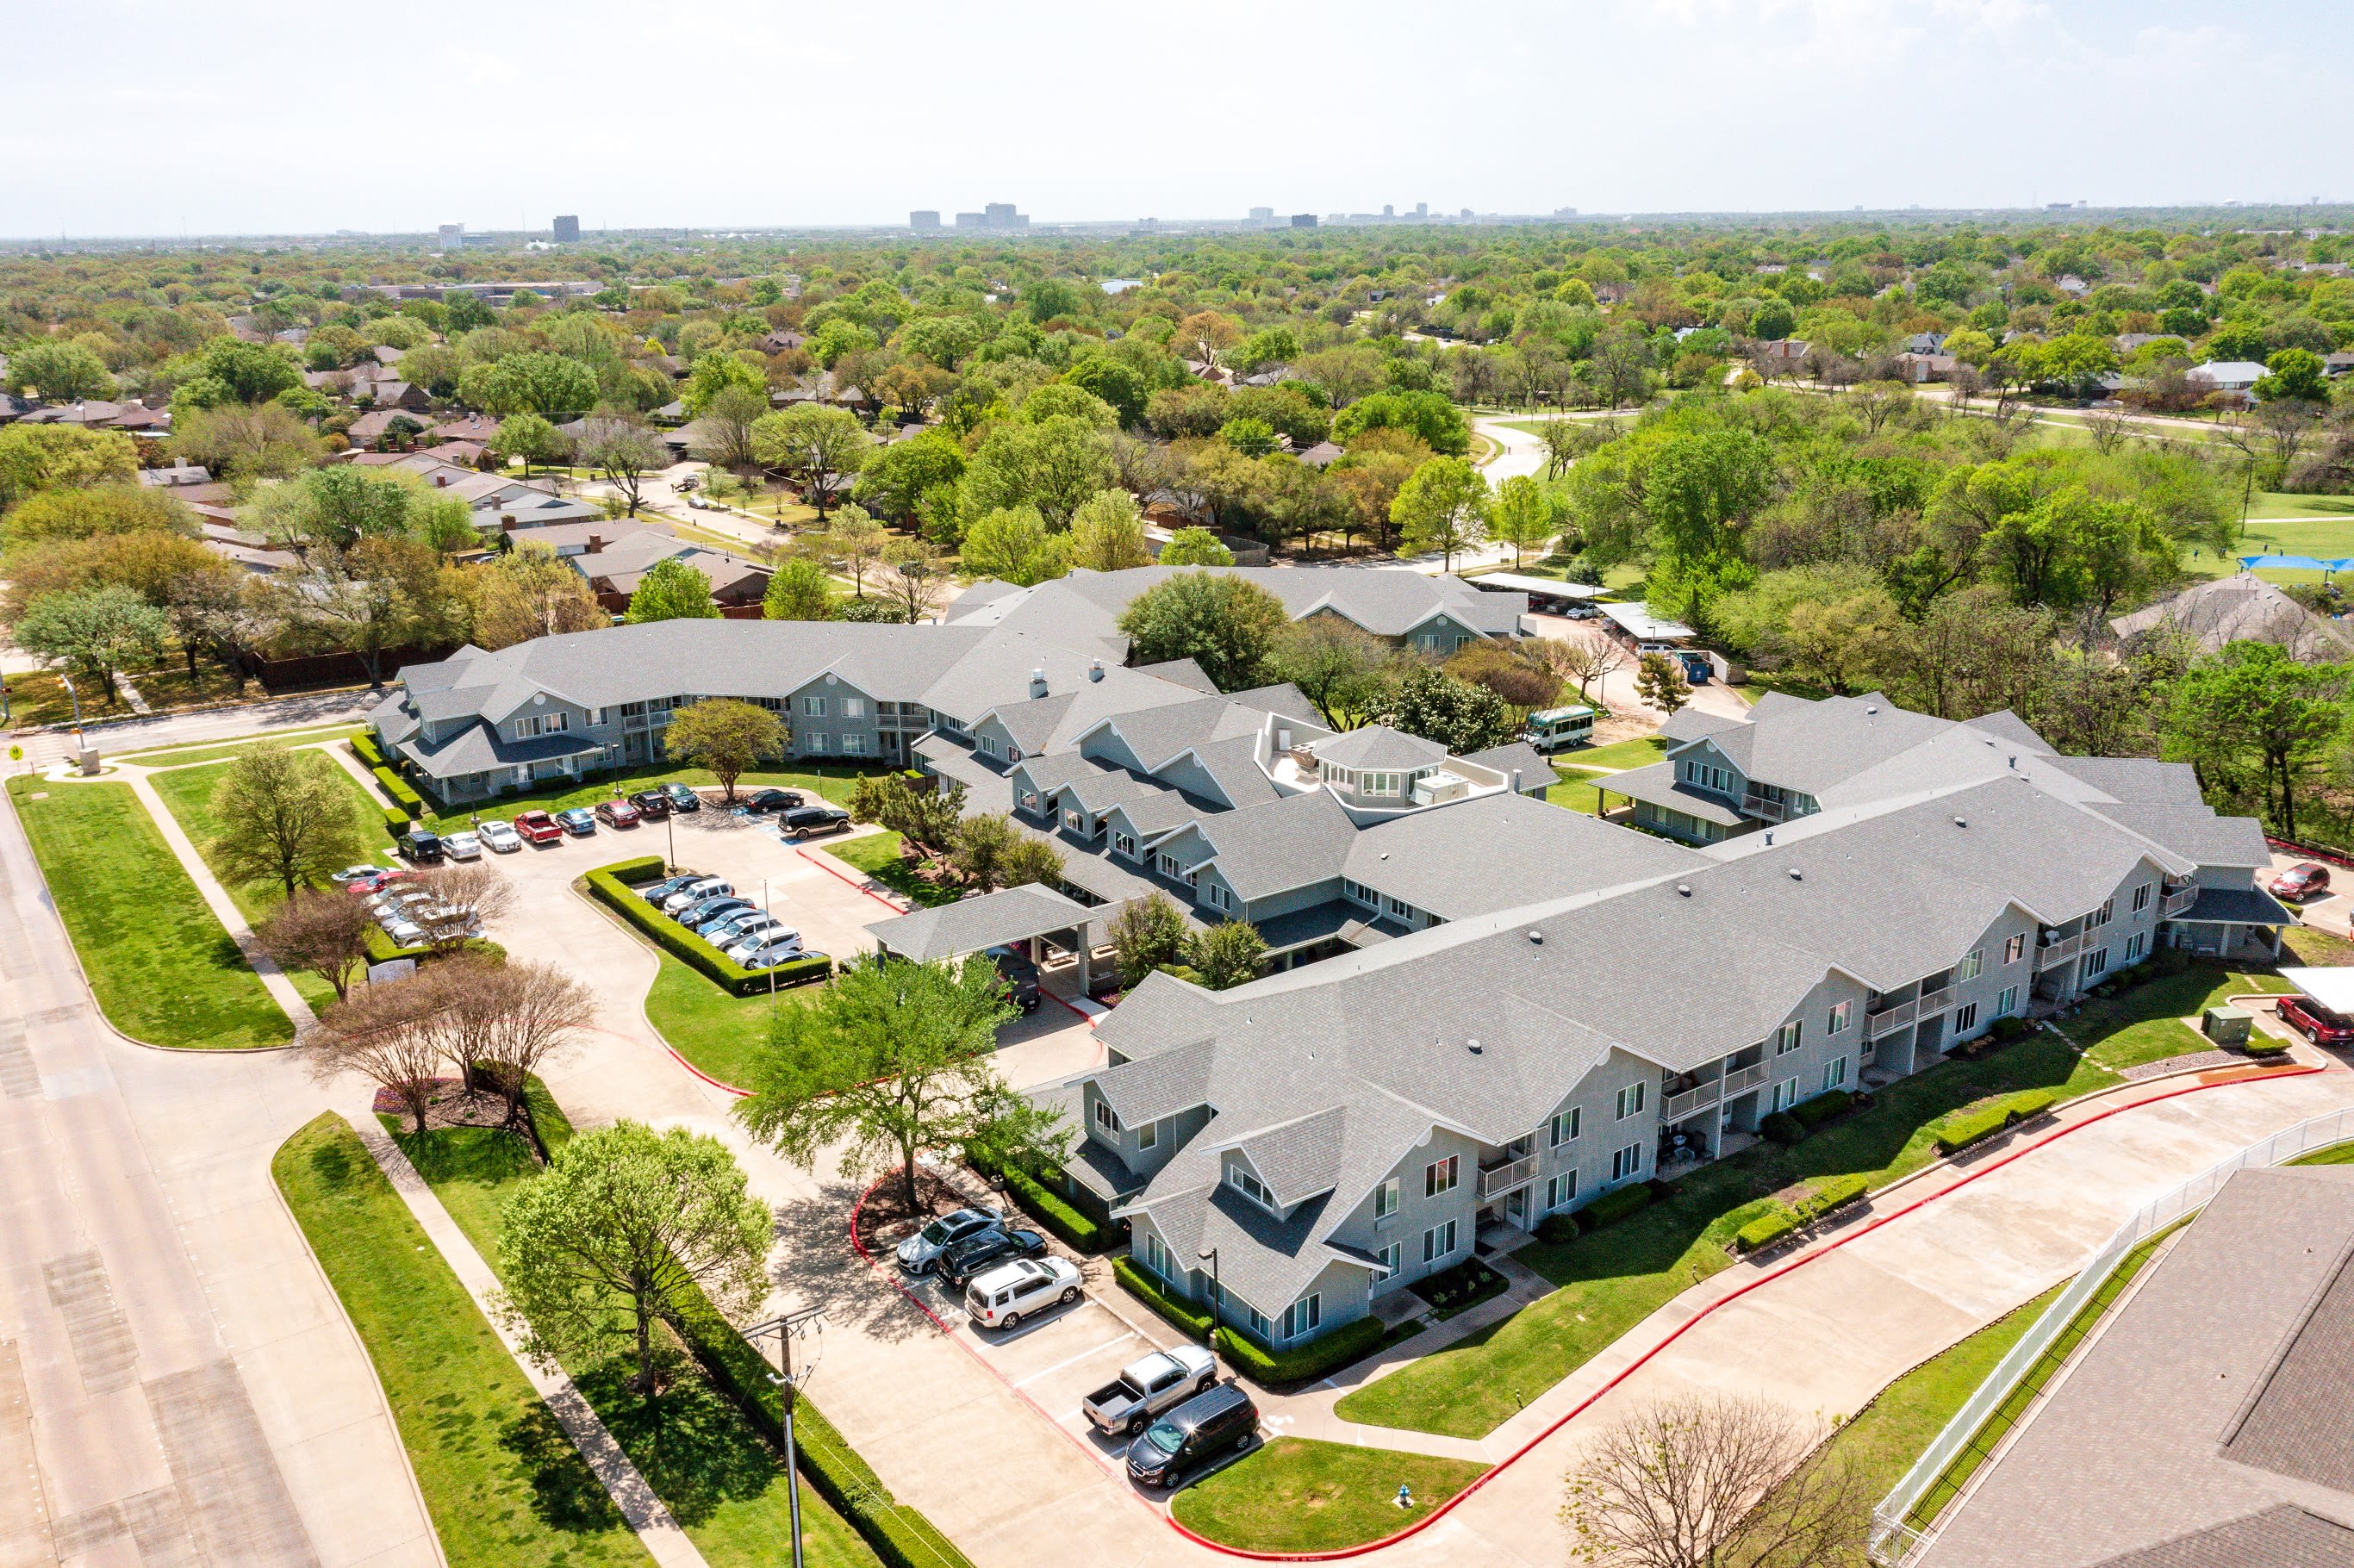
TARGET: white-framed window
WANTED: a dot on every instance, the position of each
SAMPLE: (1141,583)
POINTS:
(1399,909)
(1842,1015)
(812,707)
(1631,1102)
(2102,916)
(854,744)
(1220,897)
(1626,1162)
(1124,844)
(816,739)
(1076,820)
(1147,1135)
(2137,946)
(1787,1038)
(1439,1241)
(1561,1190)
(1255,1318)
(1106,1117)
(1965,1018)
(1250,1186)
(1564,1129)
(987,743)
(2014,949)
(2096,962)
(1303,1315)
(1390,1259)
(1385,1198)
(1440,1175)
(1156,1256)
(1835,1073)
(853,707)
(1970,967)
(2141,898)
(2007,1002)
(1786,1094)
(1358,893)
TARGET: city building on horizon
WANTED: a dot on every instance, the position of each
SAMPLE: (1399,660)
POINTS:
(453,236)
(925,222)
(567,229)
(998,216)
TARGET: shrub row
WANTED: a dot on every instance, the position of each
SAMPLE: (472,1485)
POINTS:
(683,944)
(900,1536)
(1065,1223)
(395,821)
(1557,1229)
(2010,1027)
(407,799)
(1313,1360)
(365,747)
(1959,1132)
(1833,1195)
(1813,1113)
(381,950)
(2263,1045)
(1154,1294)
(1784,1128)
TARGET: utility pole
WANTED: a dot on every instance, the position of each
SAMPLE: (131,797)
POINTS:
(1217,1301)
(784,1328)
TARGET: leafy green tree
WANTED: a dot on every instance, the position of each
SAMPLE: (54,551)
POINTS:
(1227,625)
(229,370)
(1069,399)
(2297,374)
(544,383)
(247,440)
(1525,515)
(715,373)
(1427,415)
(1108,534)
(725,736)
(1252,438)
(823,447)
(378,595)
(530,592)
(993,852)
(2249,715)
(671,590)
(97,510)
(628,1226)
(1226,955)
(1443,507)
(1338,666)
(287,818)
(93,633)
(798,591)
(1146,933)
(530,438)
(1013,546)
(1033,860)
(59,370)
(894,1060)
(622,453)
(1195,548)
(1458,715)
(1660,681)
(897,477)
(35,458)
(1119,387)
(1056,465)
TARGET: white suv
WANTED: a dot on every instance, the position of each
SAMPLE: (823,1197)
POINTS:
(1004,1297)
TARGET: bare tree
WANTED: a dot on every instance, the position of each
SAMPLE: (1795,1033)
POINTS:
(465,897)
(542,1012)
(1581,659)
(325,934)
(2109,429)
(388,1034)
(2286,422)
(1715,1481)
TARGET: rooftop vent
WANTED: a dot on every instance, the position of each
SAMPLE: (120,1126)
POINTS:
(1797,876)
(1769,835)
(1961,822)
(1472,1045)
(1094,669)
(1038,683)
(1537,937)
(2014,762)
(1684,889)
(1870,709)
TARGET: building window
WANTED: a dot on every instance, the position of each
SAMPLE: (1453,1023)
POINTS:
(1438,1242)
(2007,1002)
(1628,1162)
(1440,1176)
(1385,1198)
(1250,1187)
(1787,1038)
(853,707)
(2141,898)
(2096,962)
(1970,967)
(2102,916)
(1075,820)
(1220,897)
(812,707)
(1842,1015)
(1631,1102)
(2014,949)
(1965,1018)
(1561,1190)
(1124,844)
(1786,1094)
(1255,1318)
(1156,1256)
(1401,909)
(1106,1117)
(854,744)
(816,740)
(1302,1316)
(1147,1135)
(1389,1257)
(1357,892)
(988,743)
(1565,1127)
(2137,946)
(1835,1074)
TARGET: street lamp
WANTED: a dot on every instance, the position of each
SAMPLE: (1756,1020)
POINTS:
(1217,1300)
(78,748)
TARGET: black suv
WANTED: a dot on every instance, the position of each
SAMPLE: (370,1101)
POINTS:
(683,798)
(774,800)
(652,802)
(808,822)
(1186,1439)
(420,846)
(1021,977)
(978,1255)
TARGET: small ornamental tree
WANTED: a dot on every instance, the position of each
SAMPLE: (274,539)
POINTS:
(287,817)
(671,590)
(1146,933)
(1660,682)
(1226,955)
(1195,548)
(1443,507)
(726,736)
(1458,715)
(798,591)
(324,934)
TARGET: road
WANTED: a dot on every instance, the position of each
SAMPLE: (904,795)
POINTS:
(305,712)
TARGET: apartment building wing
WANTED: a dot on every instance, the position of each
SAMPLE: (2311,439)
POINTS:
(1498,852)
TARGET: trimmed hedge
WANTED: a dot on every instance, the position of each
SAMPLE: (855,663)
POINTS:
(2009,1027)
(395,821)
(1319,1355)
(1614,1206)
(1813,1113)
(365,747)
(1959,1132)
(1833,1195)
(380,950)
(901,1536)
(407,799)
(1154,1294)
(1557,1229)
(1784,1128)
(2263,1045)
(613,889)
(1050,1209)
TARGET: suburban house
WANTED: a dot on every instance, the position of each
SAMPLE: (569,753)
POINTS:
(2226,375)
(2242,607)
(614,571)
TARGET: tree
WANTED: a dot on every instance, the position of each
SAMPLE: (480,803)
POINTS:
(60,371)
(983,843)
(466,897)
(1518,674)
(1195,548)
(723,432)
(529,436)
(531,592)
(1715,1481)
(893,1060)
(92,632)
(1146,933)
(859,540)
(1056,465)
(1458,715)
(1337,666)
(671,590)
(1033,860)
(35,458)
(726,736)
(1566,441)
(622,454)
(916,578)
(717,372)
(319,933)
(2251,709)
(523,1017)
(1844,645)
(287,816)
(1585,660)
(1013,546)
(627,1225)
(2297,374)
(231,370)
(1427,415)
(1108,534)
(386,1034)
(1226,955)
(378,595)
(1525,515)
(246,440)
(929,818)
(823,447)
(897,477)
(1227,625)
(544,384)
(1622,362)
(798,590)
(1660,681)
(1443,507)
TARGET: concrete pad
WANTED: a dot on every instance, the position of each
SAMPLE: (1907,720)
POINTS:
(335,1478)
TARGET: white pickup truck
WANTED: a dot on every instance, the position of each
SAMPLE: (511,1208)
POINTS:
(1146,1388)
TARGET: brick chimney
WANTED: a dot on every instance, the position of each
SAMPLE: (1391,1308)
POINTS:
(596,544)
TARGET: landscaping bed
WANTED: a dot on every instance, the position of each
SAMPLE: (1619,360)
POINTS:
(878,855)
(615,886)
(1458,1289)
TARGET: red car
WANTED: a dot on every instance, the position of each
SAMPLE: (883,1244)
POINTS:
(538,827)
(2301,880)
(617,814)
(2316,1023)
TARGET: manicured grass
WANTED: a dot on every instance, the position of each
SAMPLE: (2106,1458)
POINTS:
(2336,1154)
(878,854)
(1574,791)
(1614,1278)
(719,1034)
(2311,944)
(725,1486)
(1299,1495)
(1640,752)
(164,969)
(2145,1024)
(183,756)
(833,780)
(506,1487)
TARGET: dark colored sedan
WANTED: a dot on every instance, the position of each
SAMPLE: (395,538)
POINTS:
(808,822)
(653,803)
(986,1251)
(1021,977)
(683,798)
(774,800)
(579,821)
(2316,1023)
(2301,880)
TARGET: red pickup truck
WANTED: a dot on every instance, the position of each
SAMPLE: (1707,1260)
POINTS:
(538,827)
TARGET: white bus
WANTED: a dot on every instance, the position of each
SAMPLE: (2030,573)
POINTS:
(1558,730)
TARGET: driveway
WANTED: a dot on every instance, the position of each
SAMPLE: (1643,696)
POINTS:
(2332,910)
(1617,688)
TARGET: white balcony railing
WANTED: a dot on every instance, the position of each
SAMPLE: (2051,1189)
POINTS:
(1742,1079)
(1935,1000)
(1499,1179)
(1675,1108)
(2178,903)
(2058,952)
(1889,1019)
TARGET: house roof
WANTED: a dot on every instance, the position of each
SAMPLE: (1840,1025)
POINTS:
(1534,768)
(1385,603)
(968,924)
(2242,607)
(1378,746)
(1497,852)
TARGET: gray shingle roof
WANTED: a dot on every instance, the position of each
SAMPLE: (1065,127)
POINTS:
(1281,844)
(1499,851)
(1659,785)
(968,924)
(1385,603)
(1534,768)
(1378,746)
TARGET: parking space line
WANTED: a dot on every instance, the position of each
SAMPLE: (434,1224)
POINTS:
(1083,1355)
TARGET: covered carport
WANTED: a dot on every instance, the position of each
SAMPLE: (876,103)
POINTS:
(1024,916)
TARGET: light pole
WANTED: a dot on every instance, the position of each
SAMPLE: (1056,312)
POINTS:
(78,748)
(784,1329)
(1217,1301)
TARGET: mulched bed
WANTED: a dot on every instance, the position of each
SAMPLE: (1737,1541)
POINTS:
(448,1104)
(885,1217)
(1459,1288)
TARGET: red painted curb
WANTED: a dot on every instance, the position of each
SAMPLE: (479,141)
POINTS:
(862,887)
(1580,1408)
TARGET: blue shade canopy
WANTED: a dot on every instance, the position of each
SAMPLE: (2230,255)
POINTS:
(2297,562)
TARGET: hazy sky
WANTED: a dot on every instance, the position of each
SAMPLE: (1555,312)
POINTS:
(249,117)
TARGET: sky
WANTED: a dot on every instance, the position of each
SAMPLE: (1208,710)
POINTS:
(254,116)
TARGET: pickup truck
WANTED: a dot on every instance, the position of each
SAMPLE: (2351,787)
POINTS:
(1146,1388)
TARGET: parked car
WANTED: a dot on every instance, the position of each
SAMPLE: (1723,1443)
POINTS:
(921,1252)
(2300,882)
(538,827)
(785,949)
(352,873)
(579,821)
(808,822)
(2316,1023)
(382,879)
(1581,612)
(617,814)
(1148,1386)
(694,892)
(405,934)
(1021,977)
(655,891)
(978,1255)
(421,846)
(683,798)
(718,930)
(498,837)
(653,803)
(1220,1420)
(462,846)
(772,801)
(1004,1296)
(696,915)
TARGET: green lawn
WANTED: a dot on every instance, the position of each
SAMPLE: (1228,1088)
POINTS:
(2311,944)
(181,757)
(830,780)
(506,1487)
(878,854)
(188,793)
(1640,752)
(1299,1495)
(2146,1025)
(725,1486)
(2336,1154)
(718,1032)
(164,969)
(1575,789)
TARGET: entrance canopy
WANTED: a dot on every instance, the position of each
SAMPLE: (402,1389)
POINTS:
(2333,988)
(993,920)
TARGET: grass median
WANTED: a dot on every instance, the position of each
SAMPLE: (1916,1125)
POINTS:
(877,855)
(162,968)
(504,1484)
(1299,1495)
(222,751)
(719,1034)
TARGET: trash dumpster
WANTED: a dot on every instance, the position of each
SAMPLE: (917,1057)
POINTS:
(2226,1025)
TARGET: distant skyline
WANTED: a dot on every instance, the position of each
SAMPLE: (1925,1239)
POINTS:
(249,117)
